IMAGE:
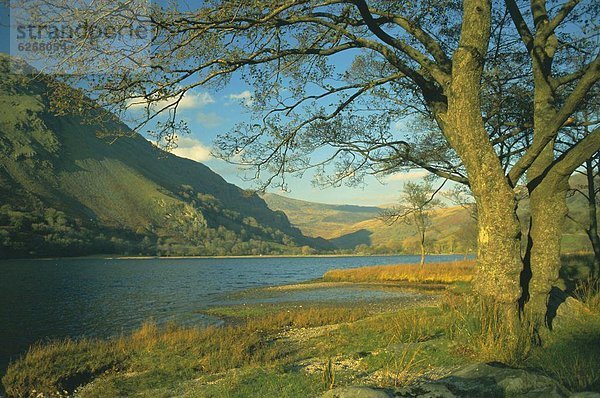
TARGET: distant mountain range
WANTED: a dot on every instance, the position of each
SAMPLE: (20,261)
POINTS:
(65,191)
(319,219)
(359,228)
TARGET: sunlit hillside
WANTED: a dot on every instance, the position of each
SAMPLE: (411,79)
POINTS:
(320,219)
(360,228)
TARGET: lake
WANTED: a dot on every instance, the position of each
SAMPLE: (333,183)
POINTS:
(57,298)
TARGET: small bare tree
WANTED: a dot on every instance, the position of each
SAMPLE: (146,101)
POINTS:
(417,202)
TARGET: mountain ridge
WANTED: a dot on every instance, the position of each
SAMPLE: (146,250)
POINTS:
(319,219)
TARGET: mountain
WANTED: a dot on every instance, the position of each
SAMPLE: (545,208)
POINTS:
(358,228)
(319,219)
(451,230)
(65,190)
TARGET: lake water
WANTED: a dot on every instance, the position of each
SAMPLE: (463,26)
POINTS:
(48,299)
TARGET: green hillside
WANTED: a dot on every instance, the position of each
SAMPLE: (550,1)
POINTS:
(64,190)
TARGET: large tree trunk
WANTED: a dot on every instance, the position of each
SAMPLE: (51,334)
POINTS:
(542,259)
(499,256)
(547,195)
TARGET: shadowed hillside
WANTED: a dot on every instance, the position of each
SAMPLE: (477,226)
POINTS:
(66,191)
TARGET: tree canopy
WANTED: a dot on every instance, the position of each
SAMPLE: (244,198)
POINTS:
(338,74)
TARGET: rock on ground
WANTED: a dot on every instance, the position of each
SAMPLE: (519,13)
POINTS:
(474,381)
(356,392)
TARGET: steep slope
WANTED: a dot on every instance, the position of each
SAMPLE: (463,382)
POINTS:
(64,189)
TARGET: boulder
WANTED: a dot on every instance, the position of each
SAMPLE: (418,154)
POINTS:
(496,380)
(477,380)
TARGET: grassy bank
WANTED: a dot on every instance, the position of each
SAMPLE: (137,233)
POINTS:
(302,350)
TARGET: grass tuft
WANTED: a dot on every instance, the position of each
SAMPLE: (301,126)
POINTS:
(405,368)
(57,368)
(486,332)
(329,374)
(588,292)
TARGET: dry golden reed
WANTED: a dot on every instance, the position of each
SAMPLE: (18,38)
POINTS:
(458,271)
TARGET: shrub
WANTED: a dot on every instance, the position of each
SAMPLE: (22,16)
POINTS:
(588,292)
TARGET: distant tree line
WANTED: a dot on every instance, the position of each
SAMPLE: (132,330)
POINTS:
(33,230)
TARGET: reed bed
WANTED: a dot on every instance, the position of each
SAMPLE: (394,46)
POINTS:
(458,271)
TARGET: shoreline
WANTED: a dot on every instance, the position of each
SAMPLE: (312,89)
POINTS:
(116,257)
(300,349)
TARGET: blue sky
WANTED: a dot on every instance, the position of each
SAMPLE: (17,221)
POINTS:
(209,113)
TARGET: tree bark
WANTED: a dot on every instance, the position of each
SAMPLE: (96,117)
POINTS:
(542,259)
(548,186)
(592,230)
(499,256)
(547,196)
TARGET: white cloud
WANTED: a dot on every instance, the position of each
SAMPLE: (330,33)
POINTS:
(201,99)
(398,126)
(193,149)
(406,176)
(210,119)
(245,97)
(190,100)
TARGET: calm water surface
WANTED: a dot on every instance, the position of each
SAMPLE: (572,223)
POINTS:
(47,299)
